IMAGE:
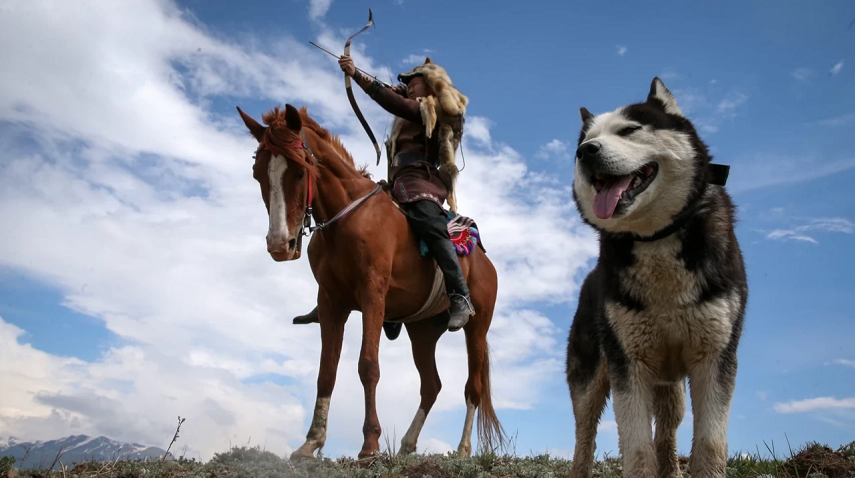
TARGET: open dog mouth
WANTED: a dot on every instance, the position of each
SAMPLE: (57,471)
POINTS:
(612,190)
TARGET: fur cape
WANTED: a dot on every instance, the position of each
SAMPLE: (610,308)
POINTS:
(442,113)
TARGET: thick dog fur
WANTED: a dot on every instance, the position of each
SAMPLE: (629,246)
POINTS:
(666,299)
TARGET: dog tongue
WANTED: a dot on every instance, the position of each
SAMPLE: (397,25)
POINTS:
(608,197)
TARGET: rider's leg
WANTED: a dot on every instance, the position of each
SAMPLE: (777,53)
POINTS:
(310,318)
(430,225)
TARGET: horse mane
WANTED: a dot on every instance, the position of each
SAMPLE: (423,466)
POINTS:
(275,119)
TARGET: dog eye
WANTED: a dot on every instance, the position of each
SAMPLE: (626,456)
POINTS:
(628,130)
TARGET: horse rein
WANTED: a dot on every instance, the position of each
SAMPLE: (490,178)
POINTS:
(307,228)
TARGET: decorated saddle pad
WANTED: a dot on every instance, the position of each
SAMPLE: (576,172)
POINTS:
(463,232)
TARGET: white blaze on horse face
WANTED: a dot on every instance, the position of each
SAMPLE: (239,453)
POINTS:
(278,231)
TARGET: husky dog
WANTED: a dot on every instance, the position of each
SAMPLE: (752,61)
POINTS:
(667,297)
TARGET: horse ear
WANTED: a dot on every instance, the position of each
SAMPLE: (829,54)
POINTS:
(292,117)
(427,60)
(255,128)
(586,115)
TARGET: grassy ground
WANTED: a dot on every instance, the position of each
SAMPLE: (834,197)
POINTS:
(812,460)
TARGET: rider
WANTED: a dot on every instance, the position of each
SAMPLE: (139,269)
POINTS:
(421,152)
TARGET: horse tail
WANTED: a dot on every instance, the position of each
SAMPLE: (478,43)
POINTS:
(491,435)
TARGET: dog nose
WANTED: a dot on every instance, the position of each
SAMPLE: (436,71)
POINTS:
(588,151)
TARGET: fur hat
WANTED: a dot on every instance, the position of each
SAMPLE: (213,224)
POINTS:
(453,102)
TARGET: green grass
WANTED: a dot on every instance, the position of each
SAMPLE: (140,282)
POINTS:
(812,460)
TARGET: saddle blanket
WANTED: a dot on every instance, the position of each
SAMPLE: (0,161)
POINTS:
(463,232)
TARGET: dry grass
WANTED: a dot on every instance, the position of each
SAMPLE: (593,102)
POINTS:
(812,460)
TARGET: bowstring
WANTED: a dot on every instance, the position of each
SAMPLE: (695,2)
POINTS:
(391,81)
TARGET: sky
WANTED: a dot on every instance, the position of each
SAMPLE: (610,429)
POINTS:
(134,282)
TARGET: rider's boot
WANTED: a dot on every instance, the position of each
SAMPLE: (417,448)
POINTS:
(310,318)
(392,329)
(461,309)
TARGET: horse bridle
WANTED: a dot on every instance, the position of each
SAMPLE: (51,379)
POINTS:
(307,228)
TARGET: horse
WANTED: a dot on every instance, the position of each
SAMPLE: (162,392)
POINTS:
(365,258)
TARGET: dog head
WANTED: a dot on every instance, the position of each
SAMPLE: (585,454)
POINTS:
(638,166)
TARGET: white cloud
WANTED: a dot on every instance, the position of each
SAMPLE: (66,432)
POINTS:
(800,233)
(432,446)
(732,102)
(621,50)
(762,395)
(141,210)
(669,74)
(707,108)
(814,404)
(842,120)
(318,8)
(557,149)
(607,426)
(413,59)
(836,68)
(845,362)
(765,170)
(417,58)
(803,74)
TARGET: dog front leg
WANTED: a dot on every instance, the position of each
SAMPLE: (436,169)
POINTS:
(711,385)
(633,407)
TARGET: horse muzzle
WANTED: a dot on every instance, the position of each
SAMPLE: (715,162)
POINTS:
(283,249)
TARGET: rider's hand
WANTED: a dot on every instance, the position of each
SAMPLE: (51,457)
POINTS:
(347,66)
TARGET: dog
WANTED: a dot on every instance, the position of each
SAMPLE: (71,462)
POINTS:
(666,299)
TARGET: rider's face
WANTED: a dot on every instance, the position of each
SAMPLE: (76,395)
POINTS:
(418,88)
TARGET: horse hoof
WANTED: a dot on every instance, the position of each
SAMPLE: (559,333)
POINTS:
(464,452)
(368,455)
(302,455)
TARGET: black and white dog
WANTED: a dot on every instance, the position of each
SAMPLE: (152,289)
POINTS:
(667,297)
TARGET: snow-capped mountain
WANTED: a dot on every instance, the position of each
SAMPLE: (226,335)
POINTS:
(75,449)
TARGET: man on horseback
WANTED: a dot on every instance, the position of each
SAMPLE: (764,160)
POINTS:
(421,153)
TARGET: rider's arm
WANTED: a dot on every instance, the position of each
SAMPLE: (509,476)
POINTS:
(390,99)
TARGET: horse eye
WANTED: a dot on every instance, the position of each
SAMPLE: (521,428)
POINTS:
(628,130)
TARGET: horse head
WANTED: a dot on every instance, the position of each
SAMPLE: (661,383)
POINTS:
(284,168)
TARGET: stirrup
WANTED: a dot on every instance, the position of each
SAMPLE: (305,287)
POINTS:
(466,300)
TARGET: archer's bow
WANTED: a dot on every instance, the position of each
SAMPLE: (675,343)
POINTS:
(348,87)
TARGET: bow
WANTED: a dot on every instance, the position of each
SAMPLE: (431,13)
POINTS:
(348,87)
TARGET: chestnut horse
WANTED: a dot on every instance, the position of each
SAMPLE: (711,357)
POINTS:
(366,260)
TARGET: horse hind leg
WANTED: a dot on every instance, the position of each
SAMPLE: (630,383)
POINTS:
(424,335)
(478,390)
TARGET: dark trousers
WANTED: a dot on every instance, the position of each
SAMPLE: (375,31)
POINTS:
(430,225)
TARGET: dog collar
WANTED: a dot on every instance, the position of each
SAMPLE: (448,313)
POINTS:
(719,173)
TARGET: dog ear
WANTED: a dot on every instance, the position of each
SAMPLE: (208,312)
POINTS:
(586,115)
(659,95)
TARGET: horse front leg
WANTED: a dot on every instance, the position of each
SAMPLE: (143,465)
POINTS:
(332,334)
(373,308)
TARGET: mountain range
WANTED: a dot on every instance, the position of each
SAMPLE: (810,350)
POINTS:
(75,449)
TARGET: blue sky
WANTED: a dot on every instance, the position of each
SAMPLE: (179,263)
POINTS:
(132,270)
